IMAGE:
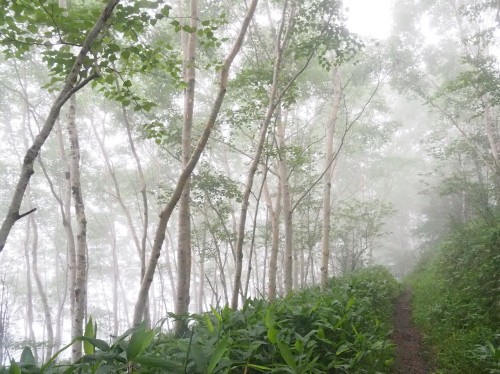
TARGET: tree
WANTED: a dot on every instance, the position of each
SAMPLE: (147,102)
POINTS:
(188,169)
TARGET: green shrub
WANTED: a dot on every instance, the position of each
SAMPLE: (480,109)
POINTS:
(344,329)
(457,299)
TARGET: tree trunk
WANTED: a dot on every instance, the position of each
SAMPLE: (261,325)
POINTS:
(274,213)
(41,291)
(79,293)
(287,204)
(327,184)
(186,172)
(30,332)
(184,230)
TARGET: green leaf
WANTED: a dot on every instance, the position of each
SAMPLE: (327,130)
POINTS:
(209,324)
(97,343)
(127,83)
(27,357)
(217,355)
(165,10)
(88,348)
(270,318)
(125,54)
(287,355)
(33,28)
(216,314)
(258,367)
(138,343)
(343,348)
(272,335)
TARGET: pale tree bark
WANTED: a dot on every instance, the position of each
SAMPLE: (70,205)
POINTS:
(66,214)
(116,274)
(71,85)
(287,203)
(30,332)
(184,229)
(79,293)
(252,242)
(41,291)
(186,172)
(274,217)
(327,179)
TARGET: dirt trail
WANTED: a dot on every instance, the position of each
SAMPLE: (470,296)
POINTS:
(411,357)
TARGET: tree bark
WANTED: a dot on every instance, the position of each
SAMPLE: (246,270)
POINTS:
(327,180)
(274,213)
(184,229)
(41,291)
(287,204)
(186,172)
(30,332)
(79,293)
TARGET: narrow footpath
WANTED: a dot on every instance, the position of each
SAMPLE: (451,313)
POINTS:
(411,357)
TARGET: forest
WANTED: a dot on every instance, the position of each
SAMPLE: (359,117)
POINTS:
(216,186)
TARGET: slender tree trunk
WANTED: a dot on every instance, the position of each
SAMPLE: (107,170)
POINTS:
(186,172)
(327,184)
(274,213)
(30,332)
(287,203)
(142,182)
(79,293)
(116,275)
(41,291)
(184,229)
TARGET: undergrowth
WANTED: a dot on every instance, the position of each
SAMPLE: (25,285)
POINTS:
(456,300)
(344,329)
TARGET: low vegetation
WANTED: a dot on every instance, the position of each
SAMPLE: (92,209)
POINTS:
(344,329)
(457,299)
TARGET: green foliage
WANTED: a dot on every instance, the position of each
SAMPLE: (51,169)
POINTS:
(456,299)
(128,47)
(342,330)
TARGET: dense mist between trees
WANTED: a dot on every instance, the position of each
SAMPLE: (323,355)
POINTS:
(160,159)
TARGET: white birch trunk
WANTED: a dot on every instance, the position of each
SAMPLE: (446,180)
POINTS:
(79,293)
(327,180)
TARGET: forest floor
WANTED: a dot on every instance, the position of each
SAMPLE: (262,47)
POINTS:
(411,355)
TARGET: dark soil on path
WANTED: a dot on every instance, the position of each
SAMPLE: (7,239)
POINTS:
(411,357)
